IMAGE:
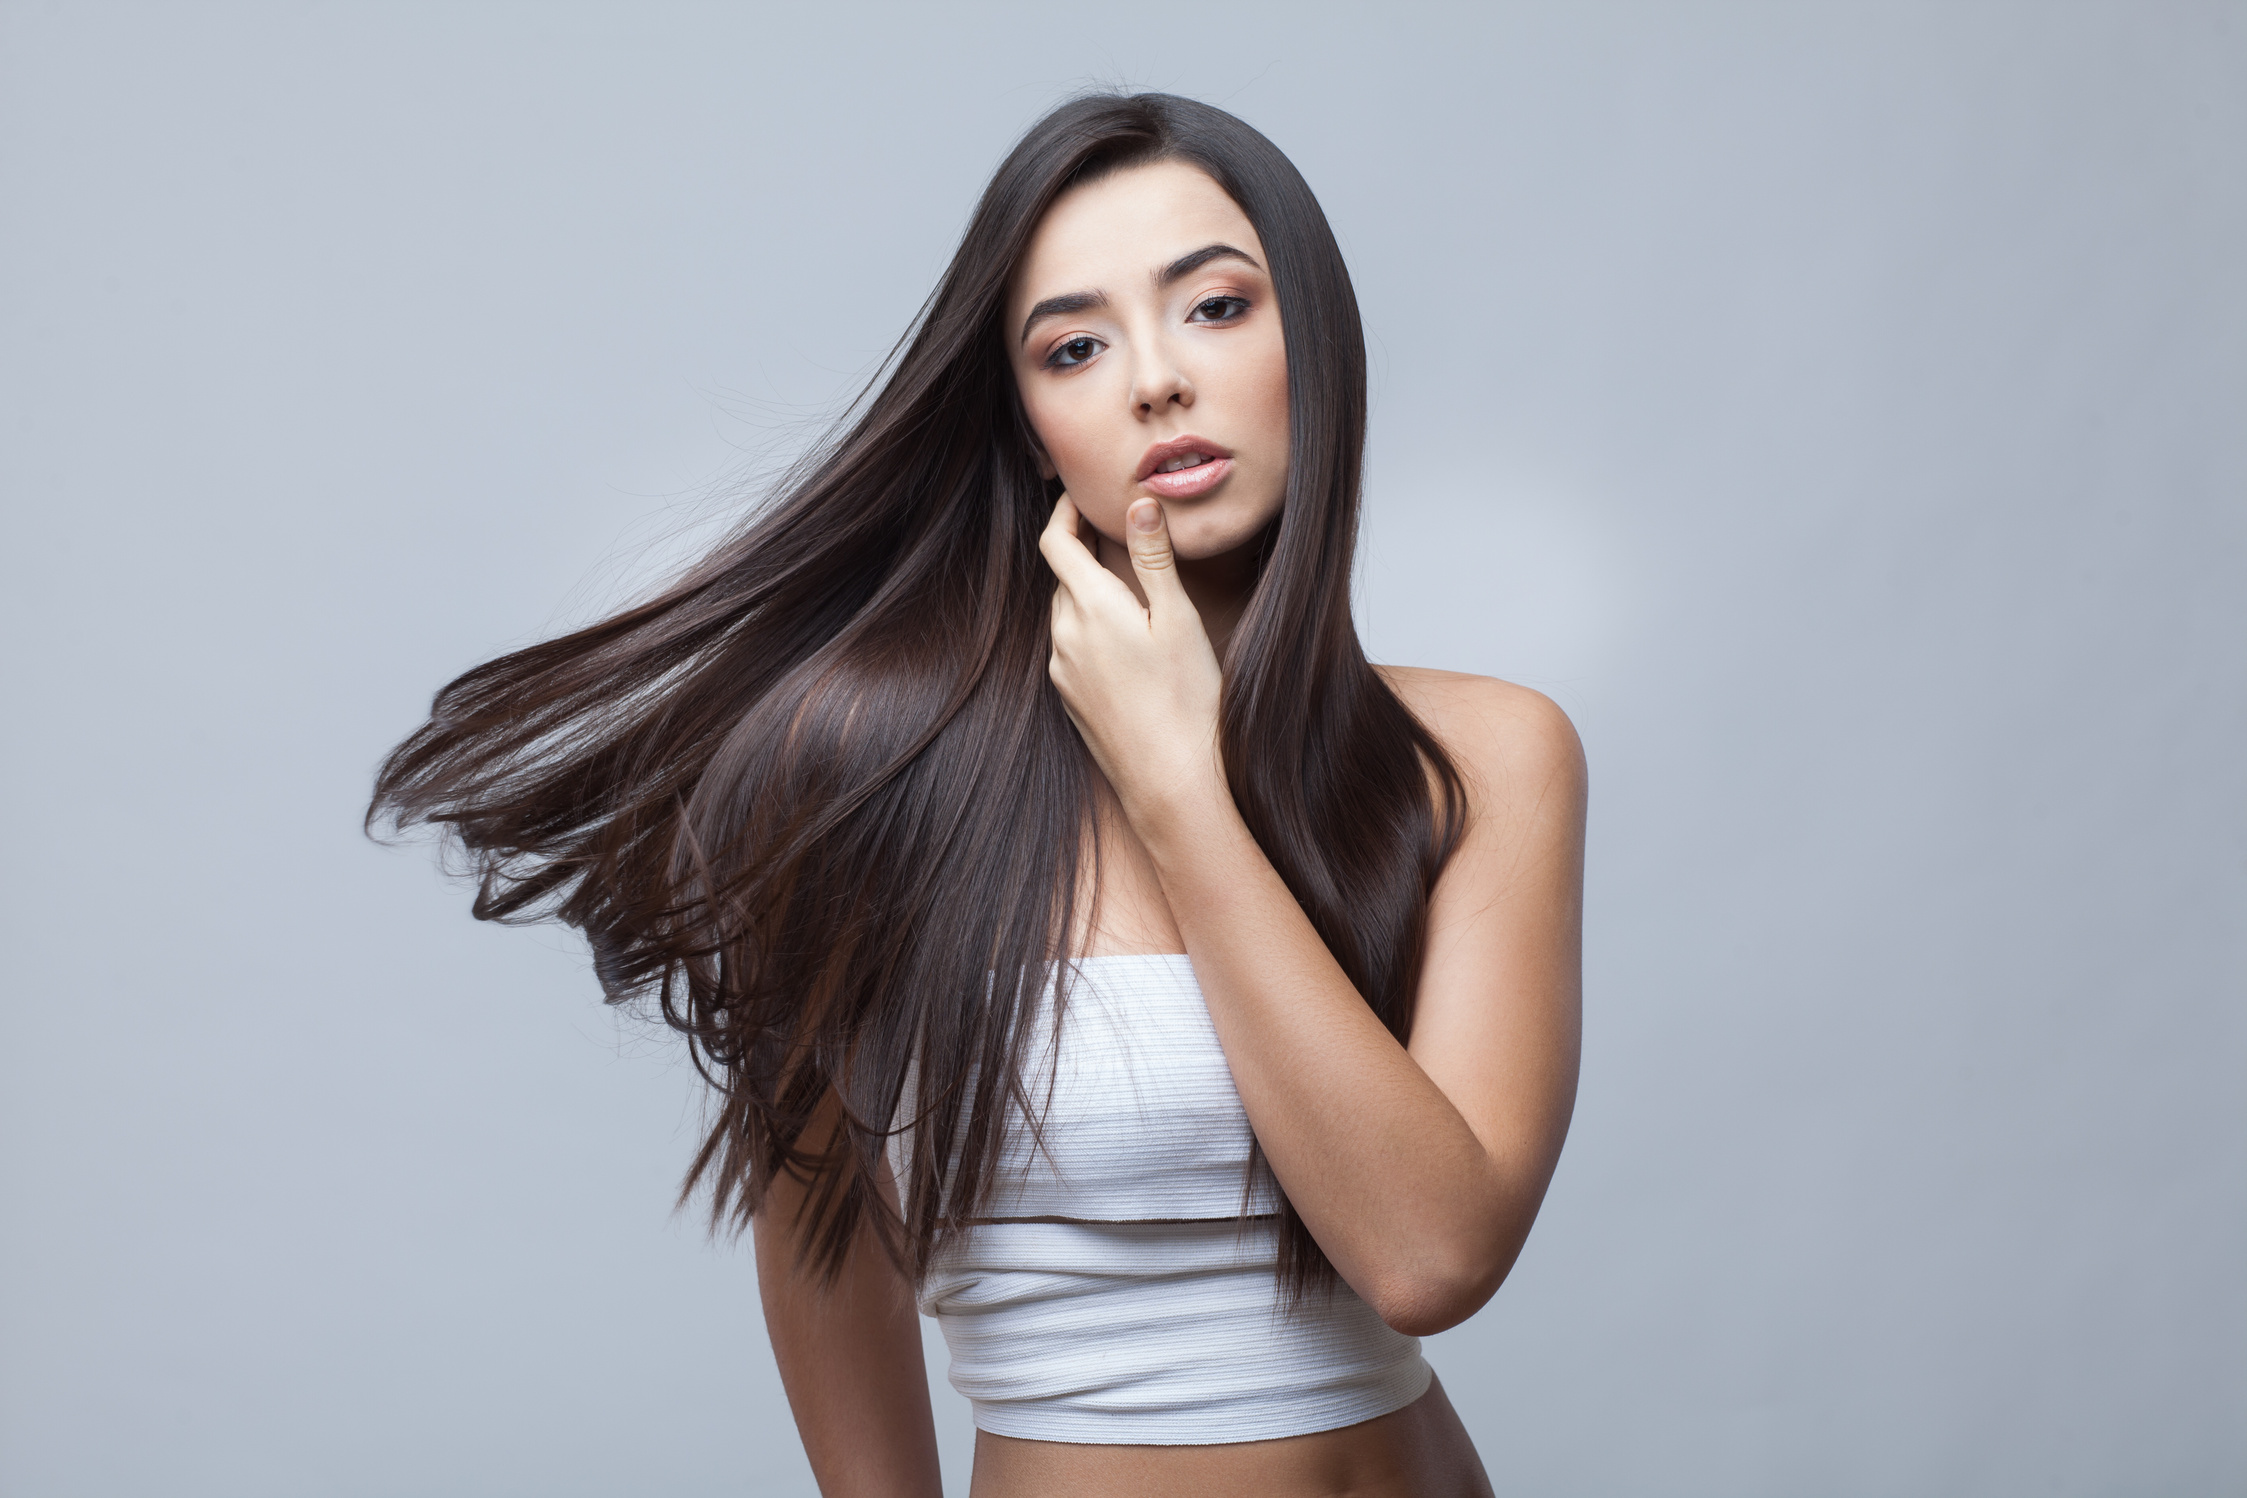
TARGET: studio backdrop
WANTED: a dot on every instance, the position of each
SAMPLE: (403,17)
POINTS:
(1837,408)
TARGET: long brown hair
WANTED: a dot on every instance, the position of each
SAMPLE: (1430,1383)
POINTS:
(818,798)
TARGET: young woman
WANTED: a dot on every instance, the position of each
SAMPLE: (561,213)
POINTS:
(1085,943)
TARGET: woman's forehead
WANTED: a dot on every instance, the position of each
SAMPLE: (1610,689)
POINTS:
(1117,233)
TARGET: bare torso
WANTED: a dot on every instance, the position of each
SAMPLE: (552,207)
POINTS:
(1420,1451)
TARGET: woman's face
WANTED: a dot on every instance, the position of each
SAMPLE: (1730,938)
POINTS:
(1146,343)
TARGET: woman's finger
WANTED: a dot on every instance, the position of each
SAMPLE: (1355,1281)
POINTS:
(1147,530)
(1065,552)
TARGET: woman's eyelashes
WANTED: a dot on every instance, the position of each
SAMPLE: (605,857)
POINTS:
(1083,348)
(1071,352)
(1227,308)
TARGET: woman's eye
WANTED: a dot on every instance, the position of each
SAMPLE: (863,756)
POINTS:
(1075,351)
(1219,309)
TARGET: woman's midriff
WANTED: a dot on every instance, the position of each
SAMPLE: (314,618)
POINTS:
(1420,1451)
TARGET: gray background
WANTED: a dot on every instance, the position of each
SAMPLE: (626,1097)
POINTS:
(1838,409)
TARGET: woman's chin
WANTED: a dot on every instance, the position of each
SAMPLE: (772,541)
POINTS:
(1196,543)
(1199,532)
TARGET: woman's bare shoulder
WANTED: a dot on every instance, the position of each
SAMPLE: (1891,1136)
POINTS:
(1499,732)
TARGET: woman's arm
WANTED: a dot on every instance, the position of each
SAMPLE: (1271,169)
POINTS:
(1418,1170)
(850,1358)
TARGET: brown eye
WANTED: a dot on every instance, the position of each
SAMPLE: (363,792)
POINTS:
(1075,351)
(1219,309)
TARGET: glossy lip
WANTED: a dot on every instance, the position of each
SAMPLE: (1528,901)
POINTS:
(1188,483)
(1177,447)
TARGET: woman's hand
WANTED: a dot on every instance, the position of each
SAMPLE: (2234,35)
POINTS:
(1140,682)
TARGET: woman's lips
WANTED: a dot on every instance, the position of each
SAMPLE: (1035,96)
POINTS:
(1188,483)
(1210,461)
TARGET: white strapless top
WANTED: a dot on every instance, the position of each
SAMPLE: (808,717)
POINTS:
(1119,1288)
(1141,1120)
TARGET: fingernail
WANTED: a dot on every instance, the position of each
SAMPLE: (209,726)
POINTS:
(1146,516)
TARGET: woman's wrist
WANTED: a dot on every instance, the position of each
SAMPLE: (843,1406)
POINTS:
(1174,813)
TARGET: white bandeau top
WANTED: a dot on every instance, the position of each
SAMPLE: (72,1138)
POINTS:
(1120,1288)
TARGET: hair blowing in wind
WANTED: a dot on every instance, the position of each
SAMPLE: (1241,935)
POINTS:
(818,801)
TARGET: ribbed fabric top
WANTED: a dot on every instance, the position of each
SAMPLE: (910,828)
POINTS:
(1115,1296)
(1141,1121)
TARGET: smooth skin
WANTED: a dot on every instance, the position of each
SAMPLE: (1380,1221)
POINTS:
(1420,1167)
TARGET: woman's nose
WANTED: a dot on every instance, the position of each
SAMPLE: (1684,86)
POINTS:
(1158,383)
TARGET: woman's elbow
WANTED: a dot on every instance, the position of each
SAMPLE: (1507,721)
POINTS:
(1435,1299)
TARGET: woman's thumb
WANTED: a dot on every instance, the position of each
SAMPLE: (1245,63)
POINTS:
(1149,534)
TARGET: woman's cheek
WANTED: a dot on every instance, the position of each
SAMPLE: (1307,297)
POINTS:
(1086,473)
(1272,393)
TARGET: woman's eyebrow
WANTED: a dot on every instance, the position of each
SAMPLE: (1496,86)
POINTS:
(1186,265)
(1062,306)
